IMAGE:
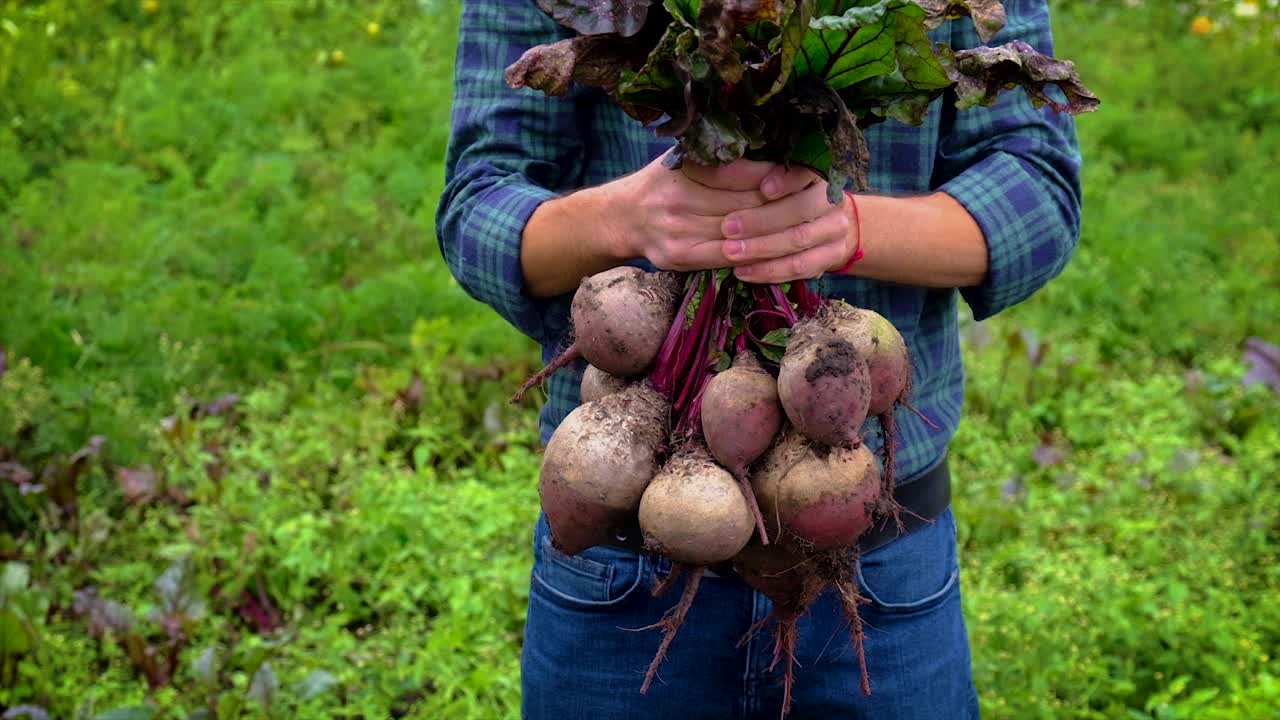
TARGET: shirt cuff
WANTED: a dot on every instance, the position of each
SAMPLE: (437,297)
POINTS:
(490,268)
(1028,242)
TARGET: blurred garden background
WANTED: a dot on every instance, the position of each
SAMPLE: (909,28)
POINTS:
(256,458)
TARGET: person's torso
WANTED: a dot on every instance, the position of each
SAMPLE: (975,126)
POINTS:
(902,162)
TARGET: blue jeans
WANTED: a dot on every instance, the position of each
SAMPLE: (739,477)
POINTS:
(580,660)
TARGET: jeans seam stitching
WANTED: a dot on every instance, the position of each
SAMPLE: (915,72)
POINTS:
(916,605)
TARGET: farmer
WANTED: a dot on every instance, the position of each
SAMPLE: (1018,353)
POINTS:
(982,205)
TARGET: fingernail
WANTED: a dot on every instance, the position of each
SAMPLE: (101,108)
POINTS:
(735,249)
(732,227)
(772,186)
(744,271)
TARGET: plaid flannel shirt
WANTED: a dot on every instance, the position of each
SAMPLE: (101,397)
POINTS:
(1014,168)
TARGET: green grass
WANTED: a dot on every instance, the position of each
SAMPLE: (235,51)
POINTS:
(201,203)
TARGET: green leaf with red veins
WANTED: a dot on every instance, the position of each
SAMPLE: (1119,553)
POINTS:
(988,15)
(846,45)
(905,93)
(982,73)
(599,17)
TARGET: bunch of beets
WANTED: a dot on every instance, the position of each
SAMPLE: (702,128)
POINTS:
(725,419)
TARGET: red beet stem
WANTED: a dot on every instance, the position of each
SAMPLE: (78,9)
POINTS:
(782,303)
(664,372)
(807,301)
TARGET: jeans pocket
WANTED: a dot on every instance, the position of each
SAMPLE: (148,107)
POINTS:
(597,577)
(914,573)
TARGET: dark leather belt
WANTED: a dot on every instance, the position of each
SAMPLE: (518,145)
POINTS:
(923,498)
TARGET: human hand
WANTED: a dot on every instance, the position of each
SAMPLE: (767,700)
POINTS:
(797,235)
(669,218)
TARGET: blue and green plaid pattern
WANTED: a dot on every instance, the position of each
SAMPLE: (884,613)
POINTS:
(1016,170)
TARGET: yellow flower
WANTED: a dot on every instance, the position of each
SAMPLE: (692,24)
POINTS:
(1201,25)
(337,57)
(373,28)
(1247,9)
(151,7)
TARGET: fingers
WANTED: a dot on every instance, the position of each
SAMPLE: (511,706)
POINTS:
(804,265)
(808,204)
(684,242)
(686,256)
(781,181)
(692,198)
(740,174)
(832,228)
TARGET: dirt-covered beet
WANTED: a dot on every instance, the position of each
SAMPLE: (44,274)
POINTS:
(741,413)
(780,573)
(597,383)
(622,315)
(824,497)
(880,343)
(824,385)
(597,465)
(741,417)
(694,511)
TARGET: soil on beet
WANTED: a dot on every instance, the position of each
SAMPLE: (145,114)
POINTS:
(834,358)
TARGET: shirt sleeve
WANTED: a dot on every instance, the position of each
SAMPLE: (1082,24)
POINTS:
(1016,170)
(509,151)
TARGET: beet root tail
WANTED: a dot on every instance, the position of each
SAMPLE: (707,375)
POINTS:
(570,354)
(889,506)
(850,599)
(661,587)
(932,425)
(670,624)
(750,494)
(784,649)
(755,628)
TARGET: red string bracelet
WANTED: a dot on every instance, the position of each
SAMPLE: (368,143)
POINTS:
(857,222)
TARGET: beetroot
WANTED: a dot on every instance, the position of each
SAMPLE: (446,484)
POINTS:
(741,417)
(889,363)
(741,413)
(620,319)
(769,475)
(621,316)
(880,343)
(824,497)
(780,573)
(694,512)
(597,465)
(597,383)
(824,385)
